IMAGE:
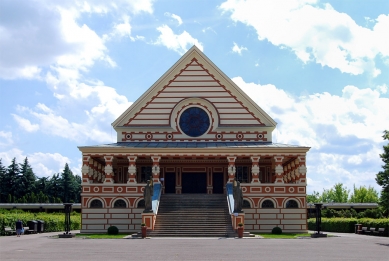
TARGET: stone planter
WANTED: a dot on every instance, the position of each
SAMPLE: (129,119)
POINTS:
(144,232)
(240,232)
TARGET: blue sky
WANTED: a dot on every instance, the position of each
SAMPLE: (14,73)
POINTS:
(320,69)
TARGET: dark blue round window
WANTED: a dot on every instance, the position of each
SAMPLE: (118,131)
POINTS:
(194,122)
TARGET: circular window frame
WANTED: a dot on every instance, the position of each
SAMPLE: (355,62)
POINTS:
(208,107)
(204,123)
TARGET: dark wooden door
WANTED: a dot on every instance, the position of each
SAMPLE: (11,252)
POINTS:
(194,183)
(170,182)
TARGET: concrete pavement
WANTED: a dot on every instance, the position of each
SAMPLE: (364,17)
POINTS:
(339,247)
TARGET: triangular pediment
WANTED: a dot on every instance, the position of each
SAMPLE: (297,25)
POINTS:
(193,81)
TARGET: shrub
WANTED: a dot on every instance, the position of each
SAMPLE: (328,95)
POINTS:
(276,230)
(54,222)
(347,225)
(112,230)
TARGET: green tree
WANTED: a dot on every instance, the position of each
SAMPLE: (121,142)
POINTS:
(77,189)
(364,195)
(314,197)
(12,180)
(3,184)
(41,185)
(54,187)
(382,177)
(338,194)
(67,184)
(27,178)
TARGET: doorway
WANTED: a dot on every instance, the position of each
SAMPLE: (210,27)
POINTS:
(194,183)
(218,184)
(170,182)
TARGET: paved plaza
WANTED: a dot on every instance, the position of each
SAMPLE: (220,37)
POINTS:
(339,247)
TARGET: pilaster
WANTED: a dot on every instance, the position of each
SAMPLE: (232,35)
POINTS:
(131,169)
(279,170)
(231,169)
(85,169)
(302,170)
(255,170)
(156,169)
(108,170)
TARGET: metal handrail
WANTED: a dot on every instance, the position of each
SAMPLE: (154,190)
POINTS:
(156,197)
(230,197)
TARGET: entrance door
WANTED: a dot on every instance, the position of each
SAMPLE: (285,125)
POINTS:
(217,181)
(170,182)
(194,183)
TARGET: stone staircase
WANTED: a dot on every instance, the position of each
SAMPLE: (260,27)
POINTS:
(193,215)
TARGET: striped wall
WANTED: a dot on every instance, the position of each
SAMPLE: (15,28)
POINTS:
(290,220)
(194,81)
(98,220)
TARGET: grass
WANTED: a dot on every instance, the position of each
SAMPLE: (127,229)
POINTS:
(101,236)
(285,235)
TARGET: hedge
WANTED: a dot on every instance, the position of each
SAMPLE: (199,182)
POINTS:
(347,225)
(54,222)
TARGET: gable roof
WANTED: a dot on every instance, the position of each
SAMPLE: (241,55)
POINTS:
(194,76)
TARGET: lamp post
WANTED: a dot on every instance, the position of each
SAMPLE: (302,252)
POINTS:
(318,222)
(67,210)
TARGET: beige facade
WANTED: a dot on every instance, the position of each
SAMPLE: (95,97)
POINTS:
(194,131)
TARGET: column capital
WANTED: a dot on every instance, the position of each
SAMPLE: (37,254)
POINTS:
(132,158)
(255,159)
(155,159)
(301,159)
(278,158)
(231,159)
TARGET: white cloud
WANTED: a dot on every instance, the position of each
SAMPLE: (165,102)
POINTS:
(175,17)
(179,43)
(7,156)
(120,30)
(318,34)
(25,124)
(104,106)
(5,139)
(43,164)
(47,164)
(382,88)
(66,49)
(47,35)
(237,49)
(344,132)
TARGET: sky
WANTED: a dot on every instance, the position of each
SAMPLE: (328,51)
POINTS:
(320,69)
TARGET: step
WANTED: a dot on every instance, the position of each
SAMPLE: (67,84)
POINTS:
(193,215)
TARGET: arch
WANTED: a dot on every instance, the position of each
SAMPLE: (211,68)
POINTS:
(271,199)
(291,203)
(141,203)
(120,203)
(246,203)
(96,203)
(267,203)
